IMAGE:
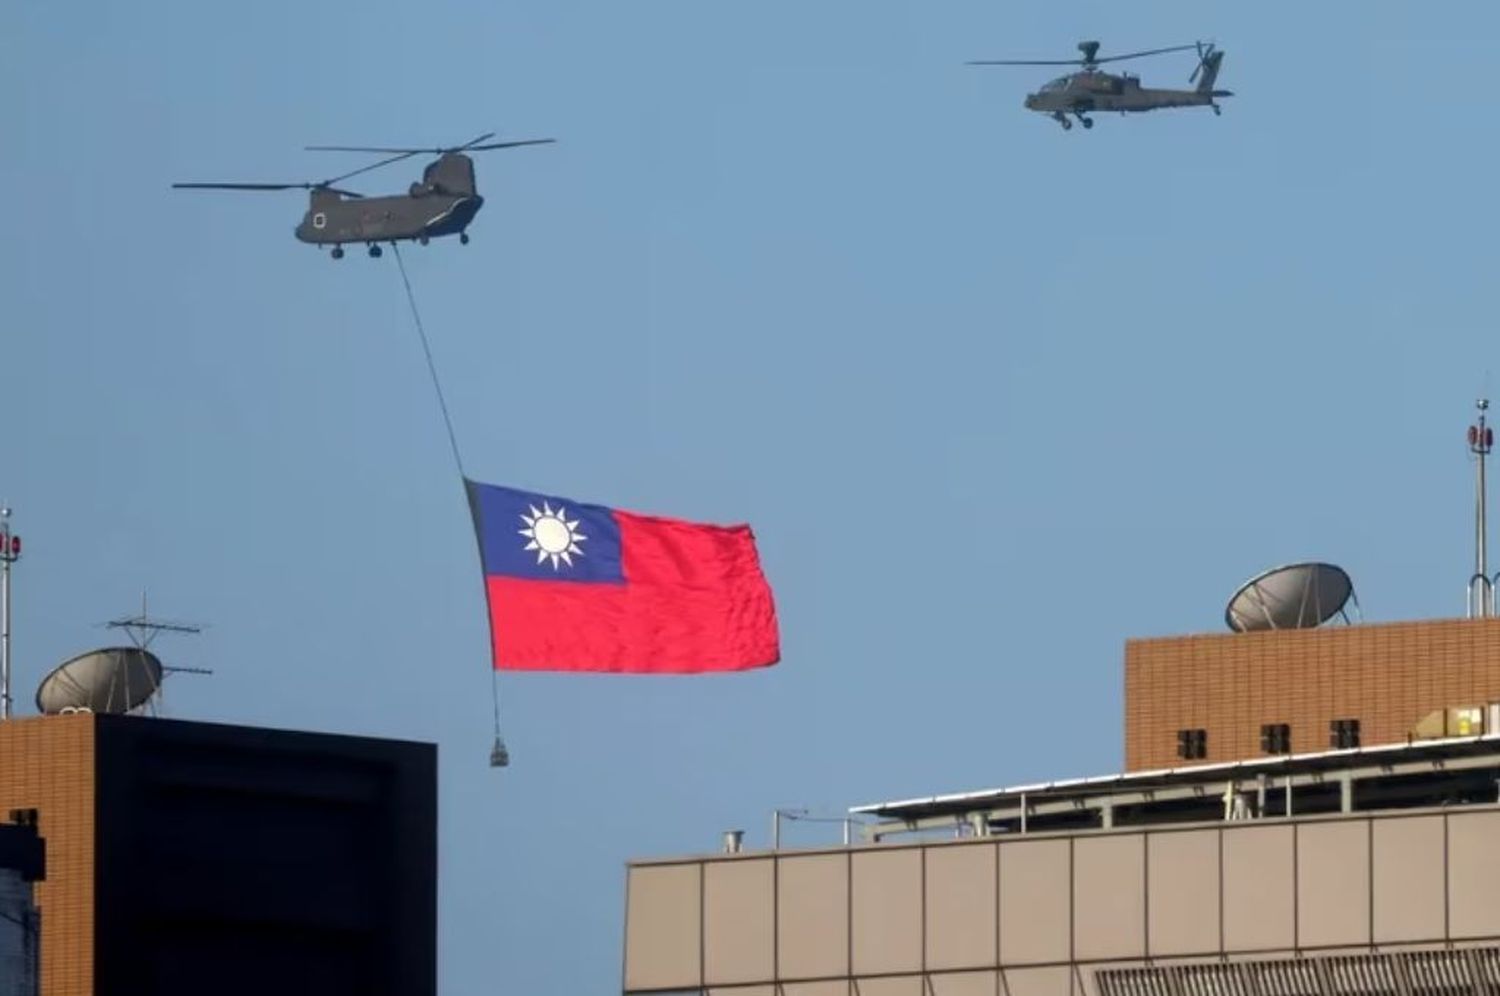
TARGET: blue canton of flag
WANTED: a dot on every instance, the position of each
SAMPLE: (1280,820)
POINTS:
(543,537)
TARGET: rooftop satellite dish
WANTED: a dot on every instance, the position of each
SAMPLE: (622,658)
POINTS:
(112,680)
(1298,596)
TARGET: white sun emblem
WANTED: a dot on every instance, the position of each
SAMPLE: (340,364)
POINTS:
(552,534)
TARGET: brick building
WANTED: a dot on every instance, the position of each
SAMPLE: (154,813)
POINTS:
(1385,678)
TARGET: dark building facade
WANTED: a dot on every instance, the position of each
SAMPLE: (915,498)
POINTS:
(200,858)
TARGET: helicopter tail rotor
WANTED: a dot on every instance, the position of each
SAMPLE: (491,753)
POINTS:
(1205,52)
(1207,70)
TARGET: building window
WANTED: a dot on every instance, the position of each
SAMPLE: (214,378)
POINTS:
(1276,738)
(1192,745)
(1343,734)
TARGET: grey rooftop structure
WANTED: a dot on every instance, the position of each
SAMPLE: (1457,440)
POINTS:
(1443,772)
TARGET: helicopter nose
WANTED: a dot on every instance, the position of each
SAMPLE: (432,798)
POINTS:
(1030,102)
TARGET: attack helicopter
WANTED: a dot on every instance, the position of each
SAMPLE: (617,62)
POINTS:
(1091,89)
(443,203)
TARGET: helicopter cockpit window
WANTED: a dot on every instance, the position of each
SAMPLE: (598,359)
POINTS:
(1058,84)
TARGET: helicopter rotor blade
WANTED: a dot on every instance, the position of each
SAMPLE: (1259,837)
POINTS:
(267,186)
(509,145)
(473,141)
(365,169)
(243,186)
(472,146)
(1149,51)
(1026,62)
(1082,62)
(362,148)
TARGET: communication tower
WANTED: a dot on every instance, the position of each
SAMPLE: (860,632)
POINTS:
(1481,585)
(10,552)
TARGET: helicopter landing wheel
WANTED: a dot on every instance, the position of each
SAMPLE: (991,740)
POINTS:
(1066,124)
(421,240)
(375,252)
(1217,110)
(1087,122)
(463,238)
(338,252)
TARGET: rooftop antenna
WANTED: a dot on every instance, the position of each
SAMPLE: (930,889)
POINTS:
(806,816)
(1297,596)
(143,631)
(10,552)
(1481,586)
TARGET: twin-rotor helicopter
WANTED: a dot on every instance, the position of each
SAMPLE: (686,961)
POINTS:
(443,203)
(1091,89)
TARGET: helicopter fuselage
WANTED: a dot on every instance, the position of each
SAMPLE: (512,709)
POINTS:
(1082,93)
(443,203)
(332,219)
(1095,91)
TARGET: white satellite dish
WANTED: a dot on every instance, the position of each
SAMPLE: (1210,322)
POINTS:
(1297,596)
(112,680)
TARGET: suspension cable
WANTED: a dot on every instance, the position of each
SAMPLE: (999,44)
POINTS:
(499,755)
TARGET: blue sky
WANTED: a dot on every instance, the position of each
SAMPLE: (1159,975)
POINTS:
(994,396)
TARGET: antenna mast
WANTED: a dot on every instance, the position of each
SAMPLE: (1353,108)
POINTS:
(1481,587)
(10,552)
(143,630)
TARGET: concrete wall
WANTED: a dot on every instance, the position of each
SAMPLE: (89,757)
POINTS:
(1386,676)
(1033,916)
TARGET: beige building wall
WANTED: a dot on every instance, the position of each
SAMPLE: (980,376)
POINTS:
(1039,915)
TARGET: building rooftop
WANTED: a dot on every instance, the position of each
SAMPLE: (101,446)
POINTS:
(1448,771)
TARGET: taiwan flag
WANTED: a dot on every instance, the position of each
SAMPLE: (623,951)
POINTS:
(574,587)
